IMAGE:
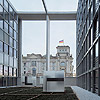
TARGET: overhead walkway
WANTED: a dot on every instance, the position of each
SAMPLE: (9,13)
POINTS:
(52,15)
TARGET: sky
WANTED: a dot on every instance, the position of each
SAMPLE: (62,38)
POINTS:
(34,32)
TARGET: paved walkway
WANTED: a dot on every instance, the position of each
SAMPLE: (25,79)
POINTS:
(83,94)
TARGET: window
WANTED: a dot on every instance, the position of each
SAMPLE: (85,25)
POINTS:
(11,31)
(91,58)
(62,64)
(5,59)
(6,48)
(24,72)
(1,2)
(34,72)
(11,41)
(5,70)
(6,5)
(15,63)
(15,35)
(24,64)
(10,71)
(11,61)
(10,51)
(1,23)
(1,10)
(15,54)
(6,16)
(6,38)
(15,26)
(96,48)
(91,36)
(1,70)
(15,72)
(6,27)
(33,63)
(1,46)
(1,58)
(14,44)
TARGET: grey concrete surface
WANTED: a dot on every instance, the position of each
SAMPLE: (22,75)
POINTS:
(83,94)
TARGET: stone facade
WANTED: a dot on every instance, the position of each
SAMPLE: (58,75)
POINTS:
(35,64)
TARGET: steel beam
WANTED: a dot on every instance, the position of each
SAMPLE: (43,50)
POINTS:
(52,15)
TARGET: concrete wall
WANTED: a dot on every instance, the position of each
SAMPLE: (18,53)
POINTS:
(70,81)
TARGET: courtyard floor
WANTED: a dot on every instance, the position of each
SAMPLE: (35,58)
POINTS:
(31,93)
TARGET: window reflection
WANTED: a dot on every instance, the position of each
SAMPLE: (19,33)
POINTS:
(10,71)
(5,70)
(1,70)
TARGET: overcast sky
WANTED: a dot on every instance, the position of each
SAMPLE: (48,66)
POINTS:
(34,32)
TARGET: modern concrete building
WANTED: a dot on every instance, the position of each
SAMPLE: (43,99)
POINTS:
(34,65)
(11,39)
(88,45)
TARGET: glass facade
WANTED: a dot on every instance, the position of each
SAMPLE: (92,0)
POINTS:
(88,45)
(8,44)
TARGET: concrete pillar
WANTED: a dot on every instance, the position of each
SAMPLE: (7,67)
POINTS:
(19,51)
(47,43)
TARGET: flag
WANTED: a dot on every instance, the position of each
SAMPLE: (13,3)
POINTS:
(62,41)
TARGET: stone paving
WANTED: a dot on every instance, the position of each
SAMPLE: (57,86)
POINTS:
(83,94)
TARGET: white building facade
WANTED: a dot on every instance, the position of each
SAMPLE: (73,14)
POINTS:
(35,64)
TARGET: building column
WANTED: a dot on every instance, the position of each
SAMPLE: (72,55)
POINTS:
(19,51)
(47,43)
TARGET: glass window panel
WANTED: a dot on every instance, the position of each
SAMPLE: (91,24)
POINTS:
(15,70)
(15,26)
(6,27)
(1,2)
(11,31)
(6,4)
(6,38)
(1,58)
(34,72)
(15,63)
(1,70)
(10,71)
(33,63)
(1,35)
(1,10)
(11,41)
(1,23)
(15,35)
(1,46)
(15,53)
(96,50)
(5,70)
(6,15)
(5,59)
(10,51)
(62,64)
(6,48)
(11,61)
(14,44)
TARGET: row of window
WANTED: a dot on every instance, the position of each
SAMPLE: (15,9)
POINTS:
(8,50)
(8,60)
(8,29)
(7,71)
